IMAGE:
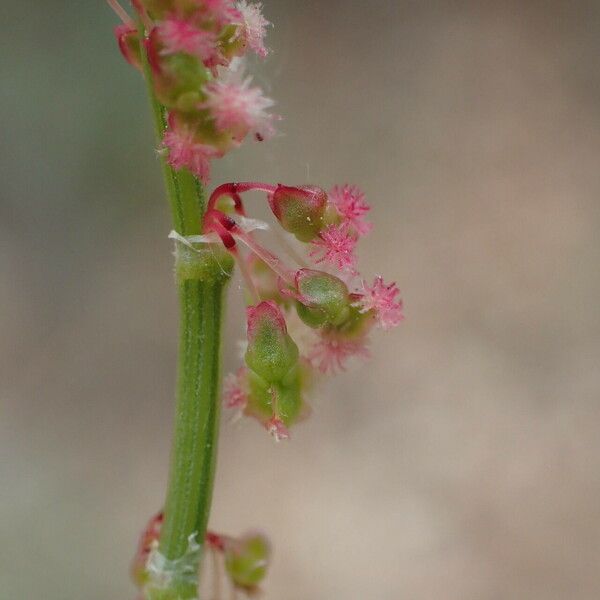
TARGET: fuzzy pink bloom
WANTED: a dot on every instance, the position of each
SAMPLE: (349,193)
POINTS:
(185,151)
(178,35)
(239,108)
(332,352)
(234,394)
(222,11)
(335,246)
(381,299)
(277,429)
(349,200)
(255,26)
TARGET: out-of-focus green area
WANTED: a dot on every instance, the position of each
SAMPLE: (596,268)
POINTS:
(463,462)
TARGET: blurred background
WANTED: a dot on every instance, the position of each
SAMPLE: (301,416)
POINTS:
(463,462)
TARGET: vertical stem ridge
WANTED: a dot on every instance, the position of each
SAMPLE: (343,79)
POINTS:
(193,456)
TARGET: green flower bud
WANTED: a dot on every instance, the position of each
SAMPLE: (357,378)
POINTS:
(299,209)
(271,351)
(323,299)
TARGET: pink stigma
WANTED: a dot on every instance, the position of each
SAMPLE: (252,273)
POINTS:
(185,152)
(255,26)
(234,395)
(332,352)
(335,246)
(239,108)
(381,299)
(276,427)
(222,11)
(178,35)
(349,200)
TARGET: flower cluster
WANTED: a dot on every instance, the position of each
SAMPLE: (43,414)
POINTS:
(304,320)
(195,53)
(242,560)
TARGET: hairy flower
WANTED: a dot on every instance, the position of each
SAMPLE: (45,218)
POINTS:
(331,353)
(349,201)
(381,299)
(255,26)
(335,247)
(179,35)
(222,11)
(239,107)
(277,429)
(185,151)
(234,394)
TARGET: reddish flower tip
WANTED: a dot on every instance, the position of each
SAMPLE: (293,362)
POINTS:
(381,299)
(266,311)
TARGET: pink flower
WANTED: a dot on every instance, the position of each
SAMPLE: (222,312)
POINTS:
(234,394)
(349,200)
(239,108)
(222,11)
(335,246)
(178,35)
(332,352)
(381,299)
(185,151)
(255,26)
(276,427)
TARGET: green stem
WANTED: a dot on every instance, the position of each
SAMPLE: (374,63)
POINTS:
(193,456)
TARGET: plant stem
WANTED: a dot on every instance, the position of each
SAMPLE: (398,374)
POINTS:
(193,456)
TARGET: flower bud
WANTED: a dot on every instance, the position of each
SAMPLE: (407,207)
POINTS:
(299,209)
(271,351)
(247,560)
(323,299)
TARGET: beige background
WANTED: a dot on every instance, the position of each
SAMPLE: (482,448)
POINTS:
(463,462)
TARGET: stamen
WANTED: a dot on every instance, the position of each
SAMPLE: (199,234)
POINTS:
(121,12)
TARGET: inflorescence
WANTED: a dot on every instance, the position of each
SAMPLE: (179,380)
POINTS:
(304,320)
(195,51)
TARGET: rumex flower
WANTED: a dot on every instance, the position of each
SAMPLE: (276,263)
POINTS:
(330,318)
(185,151)
(179,35)
(239,108)
(331,353)
(255,26)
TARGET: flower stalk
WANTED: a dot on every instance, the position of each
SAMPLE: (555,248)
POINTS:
(194,449)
